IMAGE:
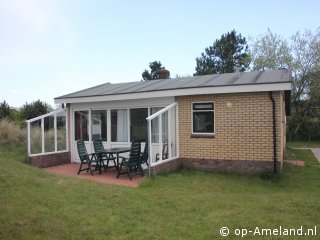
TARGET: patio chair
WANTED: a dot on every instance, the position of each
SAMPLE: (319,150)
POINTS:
(164,152)
(132,163)
(87,159)
(145,154)
(103,156)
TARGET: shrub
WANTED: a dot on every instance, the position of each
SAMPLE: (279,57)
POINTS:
(11,134)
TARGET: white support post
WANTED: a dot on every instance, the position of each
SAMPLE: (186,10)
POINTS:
(108,127)
(160,137)
(129,126)
(169,133)
(42,135)
(67,129)
(177,131)
(55,133)
(150,148)
(29,144)
(90,132)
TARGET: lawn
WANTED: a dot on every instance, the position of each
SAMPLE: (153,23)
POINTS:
(180,205)
(303,144)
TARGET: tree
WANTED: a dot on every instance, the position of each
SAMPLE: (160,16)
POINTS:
(34,109)
(4,110)
(302,55)
(224,55)
(154,67)
(269,52)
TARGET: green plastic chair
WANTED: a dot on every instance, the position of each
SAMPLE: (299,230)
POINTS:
(87,159)
(132,163)
(164,152)
(145,154)
(102,156)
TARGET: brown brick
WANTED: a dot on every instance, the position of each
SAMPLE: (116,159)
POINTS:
(244,131)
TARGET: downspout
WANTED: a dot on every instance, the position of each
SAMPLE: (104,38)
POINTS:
(274,132)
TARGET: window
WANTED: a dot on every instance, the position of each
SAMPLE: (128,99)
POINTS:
(61,131)
(138,124)
(49,138)
(99,124)
(155,125)
(81,125)
(119,125)
(203,118)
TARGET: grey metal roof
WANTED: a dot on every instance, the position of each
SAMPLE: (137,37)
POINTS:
(214,80)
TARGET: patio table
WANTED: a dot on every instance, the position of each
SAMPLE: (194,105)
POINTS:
(116,150)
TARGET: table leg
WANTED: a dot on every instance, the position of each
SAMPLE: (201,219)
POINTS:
(118,163)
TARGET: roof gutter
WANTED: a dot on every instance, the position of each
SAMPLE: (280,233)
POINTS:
(274,132)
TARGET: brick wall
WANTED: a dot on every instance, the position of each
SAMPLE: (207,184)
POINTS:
(49,160)
(166,166)
(243,132)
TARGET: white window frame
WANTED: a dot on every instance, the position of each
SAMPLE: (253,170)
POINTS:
(41,118)
(108,110)
(214,118)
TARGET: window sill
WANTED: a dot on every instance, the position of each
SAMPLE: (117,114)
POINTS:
(195,135)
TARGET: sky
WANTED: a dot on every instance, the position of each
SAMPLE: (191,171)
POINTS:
(49,48)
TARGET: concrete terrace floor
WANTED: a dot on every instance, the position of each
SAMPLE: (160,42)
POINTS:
(109,177)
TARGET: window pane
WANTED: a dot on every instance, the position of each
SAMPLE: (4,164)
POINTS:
(61,131)
(49,134)
(138,124)
(35,137)
(203,106)
(155,125)
(99,124)
(203,122)
(81,125)
(119,125)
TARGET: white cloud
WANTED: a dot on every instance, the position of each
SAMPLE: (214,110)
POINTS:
(14,91)
(27,12)
(32,30)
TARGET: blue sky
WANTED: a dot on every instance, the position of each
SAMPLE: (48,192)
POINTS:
(51,48)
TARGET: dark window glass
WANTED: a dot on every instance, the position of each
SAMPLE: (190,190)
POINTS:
(138,124)
(203,106)
(203,117)
(203,122)
(81,125)
(99,124)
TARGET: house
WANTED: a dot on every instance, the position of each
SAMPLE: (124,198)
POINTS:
(226,122)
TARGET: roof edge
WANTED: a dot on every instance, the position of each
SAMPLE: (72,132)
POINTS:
(257,87)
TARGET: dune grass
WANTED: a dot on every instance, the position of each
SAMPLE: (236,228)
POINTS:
(181,205)
(11,134)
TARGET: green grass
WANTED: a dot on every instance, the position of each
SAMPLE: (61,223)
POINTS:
(180,205)
(303,144)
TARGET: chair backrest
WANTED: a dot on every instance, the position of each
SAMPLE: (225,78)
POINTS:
(145,154)
(82,151)
(165,147)
(135,151)
(98,145)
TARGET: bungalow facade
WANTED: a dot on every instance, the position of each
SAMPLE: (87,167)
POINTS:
(226,122)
